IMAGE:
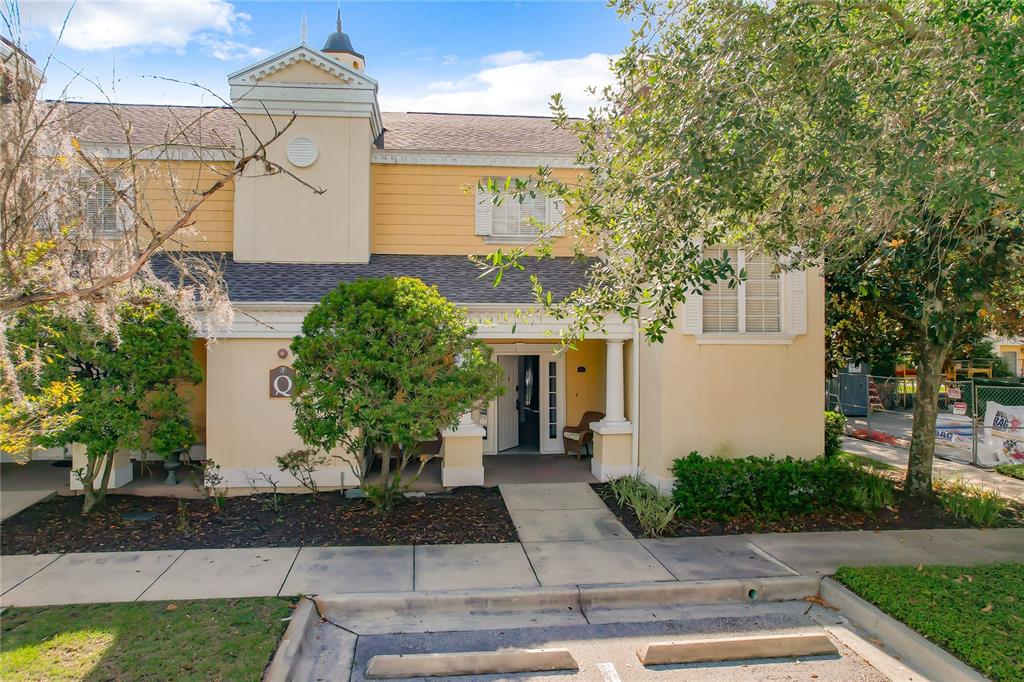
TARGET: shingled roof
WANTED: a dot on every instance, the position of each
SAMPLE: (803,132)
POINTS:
(456,278)
(216,127)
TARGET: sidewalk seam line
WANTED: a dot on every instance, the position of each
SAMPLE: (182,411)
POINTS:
(150,586)
(530,562)
(288,572)
(414,567)
(33,573)
(765,554)
(643,547)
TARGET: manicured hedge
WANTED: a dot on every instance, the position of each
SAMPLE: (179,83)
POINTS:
(835,428)
(721,489)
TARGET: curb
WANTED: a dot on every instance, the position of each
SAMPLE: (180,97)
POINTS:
(561,601)
(913,649)
(735,591)
(283,663)
(555,601)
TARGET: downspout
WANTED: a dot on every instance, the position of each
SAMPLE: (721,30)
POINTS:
(634,400)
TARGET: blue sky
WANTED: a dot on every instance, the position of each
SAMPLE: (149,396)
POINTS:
(481,57)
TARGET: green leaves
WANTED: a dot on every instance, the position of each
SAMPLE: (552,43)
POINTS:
(127,378)
(386,363)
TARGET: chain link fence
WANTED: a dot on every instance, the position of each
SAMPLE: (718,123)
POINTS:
(980,422)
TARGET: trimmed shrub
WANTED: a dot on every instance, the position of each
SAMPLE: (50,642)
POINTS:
(771,489)
(835,428)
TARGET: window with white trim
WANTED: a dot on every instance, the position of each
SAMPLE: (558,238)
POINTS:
(104,214)
(752,306)
(517,217)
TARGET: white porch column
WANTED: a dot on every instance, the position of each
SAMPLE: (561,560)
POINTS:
(462,453)
(615,396)
(613,435)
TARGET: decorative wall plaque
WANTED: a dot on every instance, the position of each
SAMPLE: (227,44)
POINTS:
(282,379)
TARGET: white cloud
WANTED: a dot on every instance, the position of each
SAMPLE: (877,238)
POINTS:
(509,58)
(229,50)
(107,24)
(522,87)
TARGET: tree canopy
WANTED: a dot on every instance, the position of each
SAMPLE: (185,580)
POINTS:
(128,377)
(881,141)
(382,365)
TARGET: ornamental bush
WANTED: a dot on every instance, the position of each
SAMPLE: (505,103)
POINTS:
(131,377)
(771,489)
(381,366)
(835,428)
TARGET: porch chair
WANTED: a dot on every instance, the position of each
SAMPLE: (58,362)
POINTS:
(577,439)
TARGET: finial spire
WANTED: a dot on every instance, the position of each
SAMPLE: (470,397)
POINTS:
(304,30)
(339,16)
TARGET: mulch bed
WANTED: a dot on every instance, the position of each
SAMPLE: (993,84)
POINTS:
(904,518)
(462,516)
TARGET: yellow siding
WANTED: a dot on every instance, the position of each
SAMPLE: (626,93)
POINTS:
(425,209)
(166,193)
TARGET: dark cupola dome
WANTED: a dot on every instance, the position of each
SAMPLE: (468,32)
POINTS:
(340,42)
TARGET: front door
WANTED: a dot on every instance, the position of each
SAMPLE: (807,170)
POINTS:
(508,404)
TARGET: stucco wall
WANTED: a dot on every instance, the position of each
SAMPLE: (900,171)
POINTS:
(246,429)
(584,390)
(734,400)
(278,219)
(425,209)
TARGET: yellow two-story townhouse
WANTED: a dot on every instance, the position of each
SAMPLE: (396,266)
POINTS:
(742,375)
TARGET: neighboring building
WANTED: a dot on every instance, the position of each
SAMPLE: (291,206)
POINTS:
(741,376)
(1011,351)
(19,74)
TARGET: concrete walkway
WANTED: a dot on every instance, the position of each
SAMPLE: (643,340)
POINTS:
(1010,488)
(22,485)
(200,574)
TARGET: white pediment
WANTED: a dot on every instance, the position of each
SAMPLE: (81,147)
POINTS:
(280,62)
(305,82)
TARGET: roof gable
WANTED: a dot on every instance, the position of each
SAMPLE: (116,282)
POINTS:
(280,62)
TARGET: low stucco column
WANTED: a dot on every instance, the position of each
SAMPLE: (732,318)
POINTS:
(120,469)
(462,454)
(613,435)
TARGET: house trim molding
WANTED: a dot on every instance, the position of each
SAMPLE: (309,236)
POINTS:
(280,320)
(457,158)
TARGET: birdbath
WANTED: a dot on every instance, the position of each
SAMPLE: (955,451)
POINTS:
(172,464)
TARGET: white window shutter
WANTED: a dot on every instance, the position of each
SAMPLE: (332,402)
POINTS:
(693,314)
(484,212)
(797,301)
(556,216)
(125,215)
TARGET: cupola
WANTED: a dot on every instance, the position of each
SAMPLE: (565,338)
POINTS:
(340,45)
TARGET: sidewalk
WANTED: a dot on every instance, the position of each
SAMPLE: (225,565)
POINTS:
(1010,488)
(220,573)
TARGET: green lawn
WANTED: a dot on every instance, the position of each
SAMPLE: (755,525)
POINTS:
(222,639)
(975,613)
(1012,470)
(866,461)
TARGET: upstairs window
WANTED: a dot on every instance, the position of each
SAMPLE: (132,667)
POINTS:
(754,305)
(105,216)
(517,217)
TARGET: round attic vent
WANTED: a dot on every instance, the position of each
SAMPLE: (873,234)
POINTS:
(302,151)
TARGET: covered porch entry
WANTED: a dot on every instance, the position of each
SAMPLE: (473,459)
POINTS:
(521,436)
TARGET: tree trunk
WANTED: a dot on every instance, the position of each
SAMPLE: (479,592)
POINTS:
(918,484)
(93,496)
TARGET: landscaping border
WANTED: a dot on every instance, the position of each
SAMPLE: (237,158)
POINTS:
(915,651)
